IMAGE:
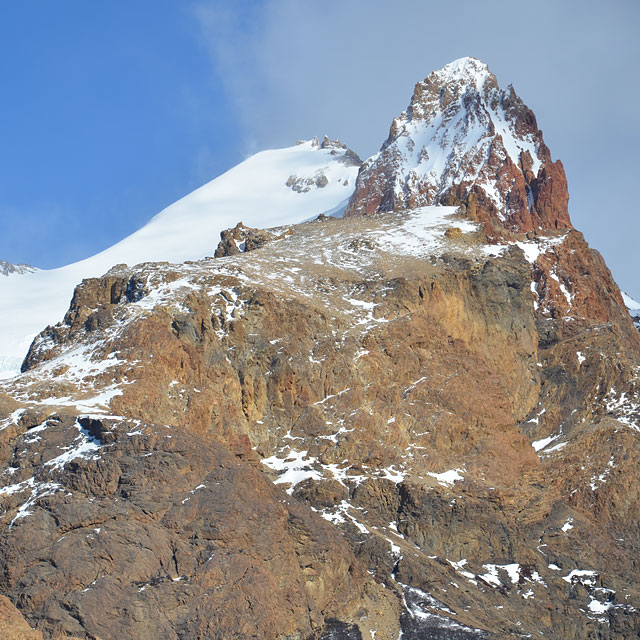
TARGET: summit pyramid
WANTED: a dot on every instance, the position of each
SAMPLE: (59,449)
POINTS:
(463,139)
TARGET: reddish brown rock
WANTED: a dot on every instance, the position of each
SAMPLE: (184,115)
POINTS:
(158,532)
(463,136)
(242,239)
(13,626)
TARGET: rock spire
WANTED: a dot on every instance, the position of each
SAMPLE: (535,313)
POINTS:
(463,139)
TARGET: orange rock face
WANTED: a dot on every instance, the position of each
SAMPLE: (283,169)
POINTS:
(12,624)
(392,397)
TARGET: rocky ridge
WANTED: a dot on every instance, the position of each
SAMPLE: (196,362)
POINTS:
(369,368)
(418,424)
(464,140)
(254,192)
(241,239)
(6,268)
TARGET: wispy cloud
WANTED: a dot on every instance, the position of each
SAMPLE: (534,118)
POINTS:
(299,69)
(346,68)
(234,35)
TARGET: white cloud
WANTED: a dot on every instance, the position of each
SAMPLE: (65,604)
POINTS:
(346,68)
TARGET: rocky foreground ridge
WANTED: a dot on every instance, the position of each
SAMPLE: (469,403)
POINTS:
(400,425)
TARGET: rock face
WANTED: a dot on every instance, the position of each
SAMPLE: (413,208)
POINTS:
(159,533)
(389,389)
(12,623)
(319,180)
(6,268)
(422,424)
(241,239)
(347,156)
(463,139)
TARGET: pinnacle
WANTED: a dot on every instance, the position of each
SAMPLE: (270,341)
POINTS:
(467,70)
(461,134)
(466,62)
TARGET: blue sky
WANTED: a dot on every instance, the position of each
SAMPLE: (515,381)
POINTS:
(113,110)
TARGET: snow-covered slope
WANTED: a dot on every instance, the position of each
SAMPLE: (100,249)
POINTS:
(446,142)
(634,308)
(321,178)
(630,303)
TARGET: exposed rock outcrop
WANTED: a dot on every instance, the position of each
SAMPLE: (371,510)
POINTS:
(13,626)
(393,390)
(6,268)
(242,239)
(153,531)
(349,157)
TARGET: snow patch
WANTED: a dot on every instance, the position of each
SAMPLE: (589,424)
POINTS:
(538,445)
(293,469)
(448,478)
(567,525)
(582,576)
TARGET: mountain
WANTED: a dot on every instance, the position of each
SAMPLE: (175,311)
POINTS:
(461,138)
(270,188)
(6,268)
(408,422)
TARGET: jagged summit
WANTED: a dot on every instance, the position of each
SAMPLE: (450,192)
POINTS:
(464,139)
(467,70)
(6,268)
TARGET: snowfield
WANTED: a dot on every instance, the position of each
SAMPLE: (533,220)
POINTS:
(254,192)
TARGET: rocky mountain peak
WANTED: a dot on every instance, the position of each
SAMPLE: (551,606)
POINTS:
(455,79)
(465,68)
(463,139)
(6,268)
